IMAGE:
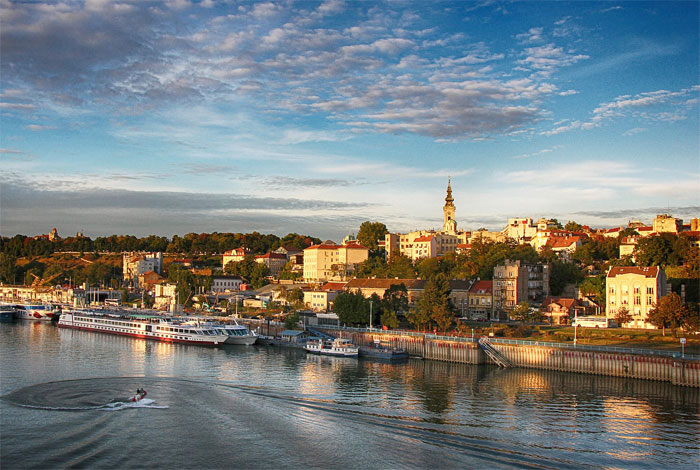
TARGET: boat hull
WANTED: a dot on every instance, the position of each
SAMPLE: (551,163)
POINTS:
(241,340)
(383,353)
(36,313)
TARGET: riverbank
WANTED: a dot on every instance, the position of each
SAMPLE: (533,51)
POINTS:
(663,366)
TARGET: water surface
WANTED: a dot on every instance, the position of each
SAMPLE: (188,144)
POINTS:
(64,406)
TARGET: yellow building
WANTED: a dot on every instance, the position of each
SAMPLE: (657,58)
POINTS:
(664,223)
(325,261)
(637,289)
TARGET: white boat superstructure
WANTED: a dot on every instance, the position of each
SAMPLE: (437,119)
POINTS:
(341,347)
(44,312)
(152,327)
(236,333)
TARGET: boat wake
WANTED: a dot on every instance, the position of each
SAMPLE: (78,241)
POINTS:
(124,405)
(81,395)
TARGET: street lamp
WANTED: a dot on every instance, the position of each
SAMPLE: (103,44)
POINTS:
(575,325)
(370,314)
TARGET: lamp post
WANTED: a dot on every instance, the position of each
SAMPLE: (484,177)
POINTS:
(575,325)
(370,314)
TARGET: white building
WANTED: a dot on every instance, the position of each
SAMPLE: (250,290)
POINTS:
(226,284)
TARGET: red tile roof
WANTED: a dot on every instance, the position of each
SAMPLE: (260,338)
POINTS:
(646,271)
(355,246)
(333,286)
(323,246)
(425,238)
(562,242)
(563,301)
(482,287)
(271,256)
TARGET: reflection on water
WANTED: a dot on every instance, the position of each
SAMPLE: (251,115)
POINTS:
(264,406)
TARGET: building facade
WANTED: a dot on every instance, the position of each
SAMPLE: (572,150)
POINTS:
(480,300)
(226,284)
(134,264)
(638,289)
(326,262)
(235,255)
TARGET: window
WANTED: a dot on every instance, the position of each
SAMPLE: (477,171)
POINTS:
(636,289)
(637,300)
(650,290)
(612,289)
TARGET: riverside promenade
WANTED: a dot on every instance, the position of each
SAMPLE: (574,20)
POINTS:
(617,362)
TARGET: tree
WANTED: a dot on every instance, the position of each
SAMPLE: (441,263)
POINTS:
(562,274)
(418,317)
(521,312)
(296,298)
(594,287)
(395,299)
(7,268)
(389,319)
(572,226)
(351,308)
(623,316)
(370,233)
(291,321)
(254,272)
(435,303)
(670,312)
(400,266)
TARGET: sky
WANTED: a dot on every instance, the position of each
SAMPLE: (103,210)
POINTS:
(165,118)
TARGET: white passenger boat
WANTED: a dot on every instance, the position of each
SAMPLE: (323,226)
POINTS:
(338,347)
(236,333)
(44,312)
(141,326)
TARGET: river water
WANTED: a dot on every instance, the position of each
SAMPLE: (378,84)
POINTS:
(64,391)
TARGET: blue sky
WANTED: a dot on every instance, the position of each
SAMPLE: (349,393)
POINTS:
(312,117)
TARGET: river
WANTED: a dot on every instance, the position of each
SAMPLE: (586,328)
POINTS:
(64,391)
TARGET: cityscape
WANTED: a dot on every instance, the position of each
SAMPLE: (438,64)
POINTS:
(337,234)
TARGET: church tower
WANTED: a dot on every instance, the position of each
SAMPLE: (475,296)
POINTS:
(450,224)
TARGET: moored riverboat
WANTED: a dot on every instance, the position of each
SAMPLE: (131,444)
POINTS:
(42,312)
(153,327)
(376,350)
(235,332)
(340,347)
(7,313)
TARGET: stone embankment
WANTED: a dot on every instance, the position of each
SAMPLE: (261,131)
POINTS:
(586,360)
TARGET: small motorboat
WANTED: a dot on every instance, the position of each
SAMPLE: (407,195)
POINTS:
(140,394)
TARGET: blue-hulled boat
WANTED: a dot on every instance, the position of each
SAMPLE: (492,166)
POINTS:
(376,350)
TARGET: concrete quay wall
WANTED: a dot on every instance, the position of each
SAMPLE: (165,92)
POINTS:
(674,370)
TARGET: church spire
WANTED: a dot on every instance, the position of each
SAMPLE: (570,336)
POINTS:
(449,200)
(449,225)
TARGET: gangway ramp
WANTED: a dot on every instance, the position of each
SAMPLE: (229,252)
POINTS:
(319,334)
(494,353)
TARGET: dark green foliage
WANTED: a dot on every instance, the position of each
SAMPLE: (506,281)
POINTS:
(291,321)
(562,274)
(396,299)
(351,308)
(191,243)
(8,270)
(434,304)
(572,226)
(250,270)
(370,233)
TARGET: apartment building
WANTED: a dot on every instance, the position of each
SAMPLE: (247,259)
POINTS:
(637,289)
(332,262)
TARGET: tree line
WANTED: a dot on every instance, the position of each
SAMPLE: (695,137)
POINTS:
(190,244)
